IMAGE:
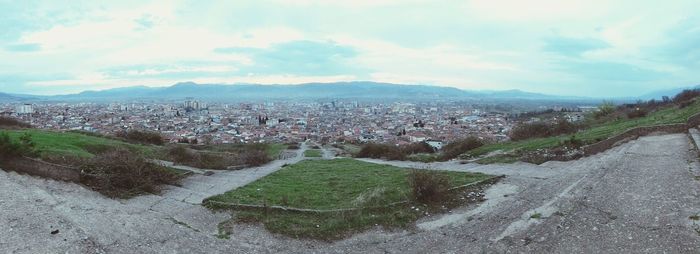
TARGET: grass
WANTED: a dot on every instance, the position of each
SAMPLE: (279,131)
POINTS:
(536,216)
(313,153)
(51,143)
(596,133)
(333,184)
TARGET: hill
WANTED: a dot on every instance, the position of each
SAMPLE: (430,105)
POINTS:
(341,90)
(515,150)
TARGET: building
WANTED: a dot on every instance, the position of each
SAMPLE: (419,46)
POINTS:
(24,109)
(575,117)
(435,144)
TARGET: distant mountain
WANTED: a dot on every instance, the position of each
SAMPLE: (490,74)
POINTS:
(667,92)
(8,97)
(358,90)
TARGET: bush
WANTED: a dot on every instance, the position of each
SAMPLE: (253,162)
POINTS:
(541,129)
(686,95)
(13,122)
(414,148)
(637,113)
(255,157)
(250,155)
(123,174)
(142,137)
(10,149)
(604,109)
(378,151)
(456,148)
(429,187)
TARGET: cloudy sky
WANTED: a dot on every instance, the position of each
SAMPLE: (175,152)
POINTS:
(588,48)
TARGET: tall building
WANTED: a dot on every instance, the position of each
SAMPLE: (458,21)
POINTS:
(25,109)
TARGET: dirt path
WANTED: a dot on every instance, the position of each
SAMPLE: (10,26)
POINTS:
(637,197)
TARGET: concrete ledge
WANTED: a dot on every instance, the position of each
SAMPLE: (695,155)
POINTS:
(695,137)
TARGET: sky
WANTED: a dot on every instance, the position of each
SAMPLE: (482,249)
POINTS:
(596,48)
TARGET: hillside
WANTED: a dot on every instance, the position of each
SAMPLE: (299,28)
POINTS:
(356,90)
(511,151)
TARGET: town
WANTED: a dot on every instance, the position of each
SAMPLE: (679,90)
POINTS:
(194,121)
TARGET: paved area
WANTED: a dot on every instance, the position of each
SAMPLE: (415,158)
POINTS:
(635,198)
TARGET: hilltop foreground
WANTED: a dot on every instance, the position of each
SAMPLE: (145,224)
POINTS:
(642,196)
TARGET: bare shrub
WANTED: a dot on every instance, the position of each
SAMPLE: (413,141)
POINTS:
(541,129)
(9,122)
(391,152)
(123,174)
(419,147)
(530,130)
(429,187)
(637,113)
(142,137)
(255,157)
(686,95)
(458,147)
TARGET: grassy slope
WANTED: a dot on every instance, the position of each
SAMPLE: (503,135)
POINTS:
(333,184)
(72,144)
(597,132)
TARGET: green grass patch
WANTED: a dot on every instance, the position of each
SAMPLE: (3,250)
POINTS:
(313,153)
(598,132)
(536,216)
(333,184)
(51,143)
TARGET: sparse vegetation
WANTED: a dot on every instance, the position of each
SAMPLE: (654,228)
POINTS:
(536,216)
(124,174)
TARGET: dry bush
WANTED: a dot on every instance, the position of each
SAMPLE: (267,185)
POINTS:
(141,137)
(414,148)
(541,129)
(686,95)
(458,147)
(9,122)
(123,174)
(378,151)
(637,113)
(255,157)
(391,152)
(429,187)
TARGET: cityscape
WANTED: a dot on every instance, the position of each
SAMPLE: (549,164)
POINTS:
(191,120)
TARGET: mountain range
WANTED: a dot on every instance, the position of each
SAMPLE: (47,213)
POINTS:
(340,90)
